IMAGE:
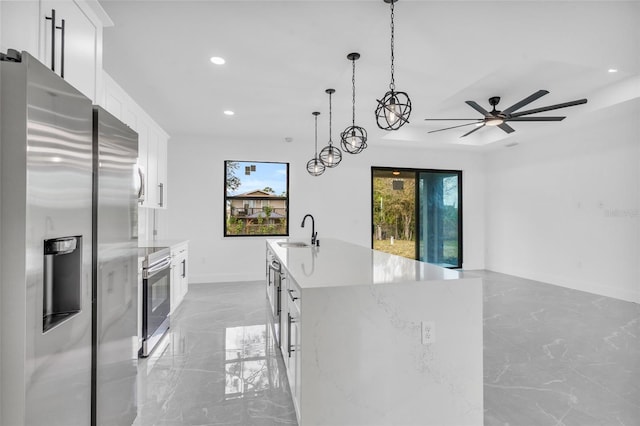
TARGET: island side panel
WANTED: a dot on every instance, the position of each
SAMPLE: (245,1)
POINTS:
(364,362)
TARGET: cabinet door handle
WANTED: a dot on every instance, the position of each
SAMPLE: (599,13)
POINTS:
(161,203)
(289,322)
(52,18)
(293,299)
(61,28)
(184,268)
(278,301)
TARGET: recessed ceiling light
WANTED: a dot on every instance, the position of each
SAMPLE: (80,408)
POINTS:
(229,112)
(217,60)
(612,70)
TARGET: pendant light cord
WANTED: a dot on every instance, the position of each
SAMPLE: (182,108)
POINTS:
(353,93)
(330,141)
(316,136)
(392,85)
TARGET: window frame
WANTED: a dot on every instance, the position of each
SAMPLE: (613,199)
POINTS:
(416,174)
(225,197)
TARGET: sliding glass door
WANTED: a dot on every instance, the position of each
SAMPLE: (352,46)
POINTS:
(418,214)
(440,220)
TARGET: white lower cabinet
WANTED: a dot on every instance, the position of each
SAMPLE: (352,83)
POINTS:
(179,274)
(291,337)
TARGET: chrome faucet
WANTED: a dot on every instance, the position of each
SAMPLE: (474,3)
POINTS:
(314,234)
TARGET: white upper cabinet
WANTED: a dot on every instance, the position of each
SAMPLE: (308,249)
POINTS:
(78,62)
(162,170)
(20,26)
(152,141)
(24,26)
(153,193)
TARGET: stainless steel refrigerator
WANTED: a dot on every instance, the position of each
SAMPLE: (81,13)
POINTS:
(62,346)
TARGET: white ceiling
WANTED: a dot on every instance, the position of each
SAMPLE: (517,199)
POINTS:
(282,55)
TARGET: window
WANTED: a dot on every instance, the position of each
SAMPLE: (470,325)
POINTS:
(418,214)
(256,200)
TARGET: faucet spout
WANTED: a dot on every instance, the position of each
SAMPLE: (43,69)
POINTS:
(314,234)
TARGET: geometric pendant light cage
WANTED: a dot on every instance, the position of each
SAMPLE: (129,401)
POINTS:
(394,109)
(315,167)
(330,155)
(354,138)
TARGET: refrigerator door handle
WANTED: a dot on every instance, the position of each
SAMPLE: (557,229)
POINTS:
(141,193)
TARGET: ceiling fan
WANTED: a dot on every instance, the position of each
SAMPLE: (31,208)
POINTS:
(499,118)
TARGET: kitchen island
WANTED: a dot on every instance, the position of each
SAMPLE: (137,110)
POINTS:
(370,338)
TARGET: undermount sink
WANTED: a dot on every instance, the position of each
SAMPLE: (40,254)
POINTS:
(288,244)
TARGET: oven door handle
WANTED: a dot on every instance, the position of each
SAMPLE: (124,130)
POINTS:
(275,265)
(157,268)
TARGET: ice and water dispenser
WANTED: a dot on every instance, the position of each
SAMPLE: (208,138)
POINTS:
(62,280)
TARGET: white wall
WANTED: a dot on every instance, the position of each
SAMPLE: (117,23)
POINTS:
(340,200)
(563,207)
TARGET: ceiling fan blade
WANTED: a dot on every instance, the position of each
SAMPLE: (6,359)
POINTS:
(450,119)
(478,108)
(537,118)
(454,127)
(506,128)
(549,108)
(525,101)
(471,131)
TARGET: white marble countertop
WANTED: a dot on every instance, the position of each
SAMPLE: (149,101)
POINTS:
(337,263)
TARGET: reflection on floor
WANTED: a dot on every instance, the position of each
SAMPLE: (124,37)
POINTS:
(217,365)
(552,356)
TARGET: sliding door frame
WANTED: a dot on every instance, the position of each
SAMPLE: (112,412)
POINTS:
(416,174)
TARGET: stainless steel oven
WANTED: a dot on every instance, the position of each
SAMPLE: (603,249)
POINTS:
(156,297)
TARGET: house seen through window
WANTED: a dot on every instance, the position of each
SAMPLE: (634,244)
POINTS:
(256,198)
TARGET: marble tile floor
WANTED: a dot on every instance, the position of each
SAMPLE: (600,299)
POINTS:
(552,356)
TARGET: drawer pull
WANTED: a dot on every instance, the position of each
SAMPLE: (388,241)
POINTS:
(293,299)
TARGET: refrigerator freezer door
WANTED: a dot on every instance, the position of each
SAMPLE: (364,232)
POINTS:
(116,258)
(46,194)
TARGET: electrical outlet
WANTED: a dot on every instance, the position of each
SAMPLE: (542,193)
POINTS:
(428,332)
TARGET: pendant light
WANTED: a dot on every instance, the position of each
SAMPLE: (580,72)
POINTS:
(354,138)
(330,155)
(315,167)
(394,108)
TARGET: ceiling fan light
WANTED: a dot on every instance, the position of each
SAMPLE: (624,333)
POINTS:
(494,121)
